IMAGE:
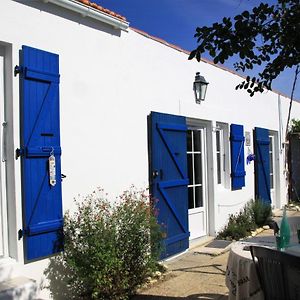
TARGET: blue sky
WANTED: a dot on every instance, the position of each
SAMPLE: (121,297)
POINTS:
(176,20)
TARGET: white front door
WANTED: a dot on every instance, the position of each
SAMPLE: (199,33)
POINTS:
(3,203)
(196,157)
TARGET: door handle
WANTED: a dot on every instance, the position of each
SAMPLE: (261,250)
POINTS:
(157,173)
(4,138)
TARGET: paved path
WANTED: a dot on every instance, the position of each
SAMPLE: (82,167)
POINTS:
(197,276)
(193,276)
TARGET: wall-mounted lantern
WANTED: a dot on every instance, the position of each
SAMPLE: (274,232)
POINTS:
(200,86)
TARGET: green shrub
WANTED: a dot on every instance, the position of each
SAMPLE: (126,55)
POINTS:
(295,125)
(262,212)
(239,225)
(110,250)
(254,214)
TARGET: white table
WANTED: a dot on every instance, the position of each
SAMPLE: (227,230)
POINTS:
(241,278)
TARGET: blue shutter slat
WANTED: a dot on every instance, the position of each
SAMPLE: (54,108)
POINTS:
(178,238)
(44,227)
(41,151)
(162,129)
(237,156)
(262,164)
(172,183)
(42,76)
(168,178)
(40,135)
(176,127)
(169,202)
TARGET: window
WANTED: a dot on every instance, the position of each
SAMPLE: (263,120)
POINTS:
(195,167)
(220,155)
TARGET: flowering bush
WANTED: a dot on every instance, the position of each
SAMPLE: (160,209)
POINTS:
(110,250)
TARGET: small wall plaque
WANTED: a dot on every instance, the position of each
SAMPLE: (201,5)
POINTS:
(247,138)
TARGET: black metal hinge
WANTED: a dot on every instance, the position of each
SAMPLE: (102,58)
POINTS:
(20,234)
(17,70)
(19,152)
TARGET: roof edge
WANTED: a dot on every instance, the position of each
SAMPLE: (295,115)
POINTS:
(92,10)
(159,40)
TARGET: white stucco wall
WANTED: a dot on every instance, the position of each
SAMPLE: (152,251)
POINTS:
(110,81)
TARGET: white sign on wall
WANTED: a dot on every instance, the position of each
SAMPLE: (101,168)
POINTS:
(247,138)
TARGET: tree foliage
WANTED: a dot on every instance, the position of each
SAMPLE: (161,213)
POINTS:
(268,36)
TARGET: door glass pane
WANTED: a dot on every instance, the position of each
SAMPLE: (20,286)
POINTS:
(198,196)
(189,140)
(197,140)
(218,140)
(271,163)
(190,168)
(219,167)
(198,168)
(271,181)
(191,197)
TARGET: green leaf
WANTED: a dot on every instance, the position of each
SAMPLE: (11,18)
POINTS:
(246,14)
(212,52)
(238,17)
(192,54)
(258,35)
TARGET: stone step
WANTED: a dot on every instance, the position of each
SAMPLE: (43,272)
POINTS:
(18,288)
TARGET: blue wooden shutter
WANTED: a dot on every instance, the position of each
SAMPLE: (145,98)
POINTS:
(40,134)
(262,164)
(237,156)
(168,179)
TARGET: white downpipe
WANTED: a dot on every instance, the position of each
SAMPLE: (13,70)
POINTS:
(86,11)
(280,131)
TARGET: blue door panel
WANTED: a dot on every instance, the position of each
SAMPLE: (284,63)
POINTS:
(262,164)
(40,136)
(168,179)
(237,156)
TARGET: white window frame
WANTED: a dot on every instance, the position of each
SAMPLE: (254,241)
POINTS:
(223,172)
(220,156)
(3,198)
(272,152)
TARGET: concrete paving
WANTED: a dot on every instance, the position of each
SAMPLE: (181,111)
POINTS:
(198,275)
(191,276)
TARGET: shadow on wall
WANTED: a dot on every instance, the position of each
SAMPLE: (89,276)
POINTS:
(58,274)
(19,288)
(202,296)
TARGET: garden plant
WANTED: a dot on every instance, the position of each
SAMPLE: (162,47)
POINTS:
(254,214)
(110,249)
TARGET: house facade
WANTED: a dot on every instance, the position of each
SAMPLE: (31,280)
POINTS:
(84,95)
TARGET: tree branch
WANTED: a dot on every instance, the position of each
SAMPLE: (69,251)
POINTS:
(291,101)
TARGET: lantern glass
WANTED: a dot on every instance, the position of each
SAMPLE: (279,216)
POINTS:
(200,86)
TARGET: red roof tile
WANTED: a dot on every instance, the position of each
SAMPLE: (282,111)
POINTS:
(102,9)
